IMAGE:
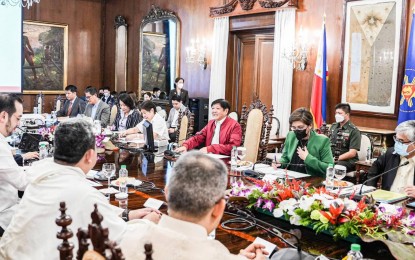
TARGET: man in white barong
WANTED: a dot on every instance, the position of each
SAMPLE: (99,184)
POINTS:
(12,177)
(195,193)
(32,231)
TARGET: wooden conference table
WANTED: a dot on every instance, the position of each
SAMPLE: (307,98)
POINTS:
(140,167)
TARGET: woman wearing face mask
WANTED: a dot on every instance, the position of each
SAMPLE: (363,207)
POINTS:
(178,90)
(304,150)
(399,178)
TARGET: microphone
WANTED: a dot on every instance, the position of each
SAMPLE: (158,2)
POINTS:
(383,173)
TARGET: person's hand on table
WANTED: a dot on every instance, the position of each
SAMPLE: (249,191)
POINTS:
(171,130)
(153,217)
(122,134)
(410,191)
(254,251)
(275,165)
(203,150)
(302,153)
(181,149)
(30,155)
(145,213)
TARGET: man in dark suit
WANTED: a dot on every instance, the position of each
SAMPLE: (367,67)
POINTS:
(96,109)
(73,105)
(107,98)
(400,179)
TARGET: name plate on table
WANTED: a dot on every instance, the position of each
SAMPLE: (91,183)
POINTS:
(271,173)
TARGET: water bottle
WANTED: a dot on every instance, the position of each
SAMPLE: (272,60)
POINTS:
(123,175)
(234,155)
(329,176)
(354,253)
(43,152)
(368,155)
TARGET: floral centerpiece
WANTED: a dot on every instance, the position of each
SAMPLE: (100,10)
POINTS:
(47,133)
(99,143)
(302,205)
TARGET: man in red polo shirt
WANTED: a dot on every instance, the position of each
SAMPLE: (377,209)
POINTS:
(219,135)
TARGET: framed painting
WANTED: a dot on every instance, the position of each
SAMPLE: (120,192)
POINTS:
(44,59)
(373,51)
(154,68)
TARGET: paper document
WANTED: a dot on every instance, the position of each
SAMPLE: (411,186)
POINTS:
(93,183)
(281,173)
(217,156)
(91,174)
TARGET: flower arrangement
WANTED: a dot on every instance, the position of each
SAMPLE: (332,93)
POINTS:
(302,205)
(47,133)
(99,143)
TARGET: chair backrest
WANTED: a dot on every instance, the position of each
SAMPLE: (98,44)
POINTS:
(95,232)
(114,111)
(234,116)
(255,136)
(324,130)
(185,126)
(59,101)
(365,142)
(162,112)
(275,126)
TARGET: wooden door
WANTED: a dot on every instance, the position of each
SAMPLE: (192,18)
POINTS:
(249,70)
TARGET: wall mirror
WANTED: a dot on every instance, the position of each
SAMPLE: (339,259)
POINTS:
(159,51)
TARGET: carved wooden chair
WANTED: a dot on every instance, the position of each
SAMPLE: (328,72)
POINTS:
(185,122)
(103,248)
(114,111)
(256,126)
(233,115)
(324,130)
(59,102)
(40,103)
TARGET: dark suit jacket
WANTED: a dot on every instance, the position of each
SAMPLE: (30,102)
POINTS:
(103,113)
(184,94)
(110,100)
(384,163)
(78,107)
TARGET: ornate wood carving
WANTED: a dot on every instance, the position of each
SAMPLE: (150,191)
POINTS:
(65,248)
(157,14)
(190,124)
(324,130)
(148,251)
(120,21)
(225,9)
(266,126)
(247,4)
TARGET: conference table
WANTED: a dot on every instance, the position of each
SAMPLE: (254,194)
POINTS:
(153,168)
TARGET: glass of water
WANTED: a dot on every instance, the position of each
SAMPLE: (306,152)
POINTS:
(108,169)
(241,153)
(339,172)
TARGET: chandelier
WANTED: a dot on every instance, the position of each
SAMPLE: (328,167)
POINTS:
(22,3)
(196,53)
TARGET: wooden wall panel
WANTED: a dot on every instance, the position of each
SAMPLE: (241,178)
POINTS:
(85,29)
(195,23)
(263,61)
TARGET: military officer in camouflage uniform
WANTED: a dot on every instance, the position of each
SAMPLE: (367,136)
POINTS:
(351,137)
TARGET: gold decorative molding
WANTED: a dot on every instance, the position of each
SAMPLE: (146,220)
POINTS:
(250,7)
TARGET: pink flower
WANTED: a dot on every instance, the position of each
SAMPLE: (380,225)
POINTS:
(269,205)
(259,202)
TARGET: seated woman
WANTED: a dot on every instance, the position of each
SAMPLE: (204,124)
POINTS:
(127,117)
(399,178)
(304,150)
(148,110)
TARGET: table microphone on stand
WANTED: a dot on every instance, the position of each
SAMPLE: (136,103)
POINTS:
(383,173)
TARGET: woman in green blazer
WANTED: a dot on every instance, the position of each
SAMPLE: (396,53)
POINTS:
(304,150)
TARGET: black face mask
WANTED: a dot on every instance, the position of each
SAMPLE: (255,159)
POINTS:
(300,134)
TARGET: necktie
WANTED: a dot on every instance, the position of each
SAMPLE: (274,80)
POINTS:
(69,109)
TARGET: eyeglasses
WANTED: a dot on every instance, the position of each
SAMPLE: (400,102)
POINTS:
(400,140)
(293,128)
(87,98)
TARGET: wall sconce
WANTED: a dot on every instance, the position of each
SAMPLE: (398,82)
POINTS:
(196,53)
(297,55)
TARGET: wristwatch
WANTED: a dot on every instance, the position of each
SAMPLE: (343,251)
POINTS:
(125,215)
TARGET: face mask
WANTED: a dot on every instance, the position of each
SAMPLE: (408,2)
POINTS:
(300,134)
(401,148)
(339,118)
(180,85)
(106,94)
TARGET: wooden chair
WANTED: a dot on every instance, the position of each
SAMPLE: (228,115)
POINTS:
(103,248)
(114,111)
(40,103)
(59,102)
(324,130)
(185,122)
(233,115)
(256,126)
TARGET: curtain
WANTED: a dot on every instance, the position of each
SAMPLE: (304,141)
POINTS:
(282,71)
(219,54)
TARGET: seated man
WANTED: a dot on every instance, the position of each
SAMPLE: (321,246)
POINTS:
(195,193)
(401,179)
(219,135)
(96,109)
(351,137)
(12,177)
(148,110)
(73,105)
(63,179)
(107,98)
(156,94)
(172,121)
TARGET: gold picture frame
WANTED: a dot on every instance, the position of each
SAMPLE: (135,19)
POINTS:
(44,57)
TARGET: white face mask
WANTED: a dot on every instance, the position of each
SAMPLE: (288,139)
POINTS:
(180,85)
(106,94)
(339,118)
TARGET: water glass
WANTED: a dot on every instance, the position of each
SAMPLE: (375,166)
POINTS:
(340,171)
(108,169)
(241,152)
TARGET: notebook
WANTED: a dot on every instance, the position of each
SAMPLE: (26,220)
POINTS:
(387,196)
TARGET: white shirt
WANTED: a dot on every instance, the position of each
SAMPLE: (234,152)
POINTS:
(94,109)
(123,120)
(216,134)
(32,231)
(12,178)
(175,120)
(175,239)
(159,127)
(404,176)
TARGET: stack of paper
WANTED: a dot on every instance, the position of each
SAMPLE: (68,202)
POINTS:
(387,196)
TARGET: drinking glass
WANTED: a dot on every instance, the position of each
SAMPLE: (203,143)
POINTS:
(339,172)
(241,152)
(108,169)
